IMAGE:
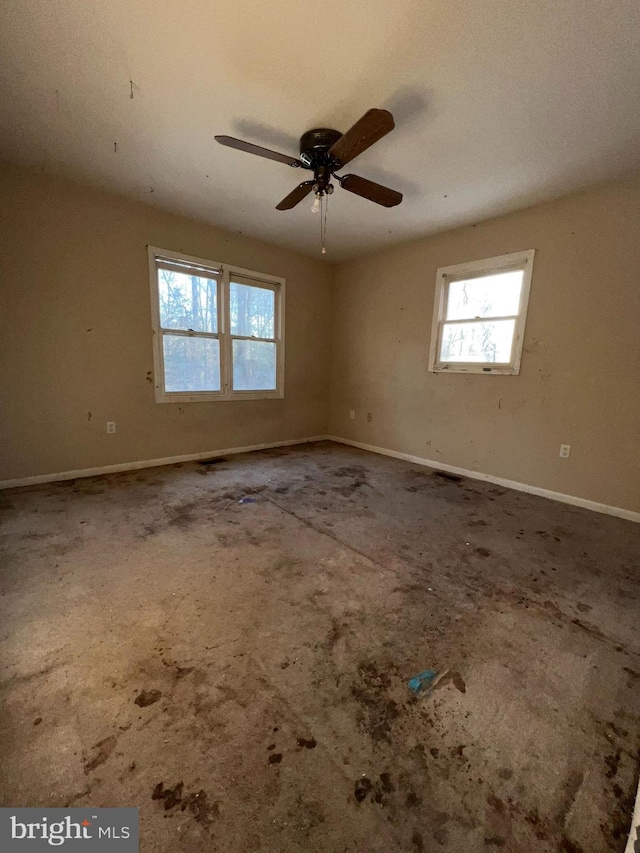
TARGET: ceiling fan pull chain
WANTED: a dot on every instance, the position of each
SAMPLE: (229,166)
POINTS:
(323,223)
(326,216)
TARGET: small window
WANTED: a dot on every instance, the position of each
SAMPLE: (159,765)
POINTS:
(479,315)
(218,330)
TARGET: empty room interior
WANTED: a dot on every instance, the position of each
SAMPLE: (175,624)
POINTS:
(320,426)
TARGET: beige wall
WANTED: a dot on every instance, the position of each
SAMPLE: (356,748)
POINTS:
(75,333)
(580,377)
(74,259)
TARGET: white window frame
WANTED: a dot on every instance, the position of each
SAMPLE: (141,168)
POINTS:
(223,273)
(475,269)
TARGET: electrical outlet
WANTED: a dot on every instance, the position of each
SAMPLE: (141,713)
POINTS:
(111,427)
(369,417)
(352,415)
(565,451)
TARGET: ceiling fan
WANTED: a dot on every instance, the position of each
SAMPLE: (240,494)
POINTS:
(324,151)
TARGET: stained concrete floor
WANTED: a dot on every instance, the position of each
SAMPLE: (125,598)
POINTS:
(239,671)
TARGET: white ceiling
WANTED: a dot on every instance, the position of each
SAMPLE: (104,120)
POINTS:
(497,104)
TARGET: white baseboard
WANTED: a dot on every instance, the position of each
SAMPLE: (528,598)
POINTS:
(619,512)
(149,463)
(634,833)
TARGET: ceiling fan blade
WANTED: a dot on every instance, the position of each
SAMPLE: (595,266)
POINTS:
(368,189)
(295,196)
(241,145)
(373,125)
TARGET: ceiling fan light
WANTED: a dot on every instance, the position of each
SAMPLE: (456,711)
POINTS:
(315,207)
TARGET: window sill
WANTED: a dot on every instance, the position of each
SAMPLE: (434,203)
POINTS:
(204,397)
(497,370)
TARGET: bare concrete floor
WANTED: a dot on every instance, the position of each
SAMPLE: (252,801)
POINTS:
(239,670)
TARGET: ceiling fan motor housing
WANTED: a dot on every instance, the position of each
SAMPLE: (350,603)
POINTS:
(315,145)
(314,154)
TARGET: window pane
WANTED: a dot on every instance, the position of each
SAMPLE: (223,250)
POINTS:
(252,311)
(254,366)
(191,364)
(477,342)
(488,296)
(187,301)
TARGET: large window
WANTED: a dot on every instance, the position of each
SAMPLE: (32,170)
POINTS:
(217,330)
(479,315)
